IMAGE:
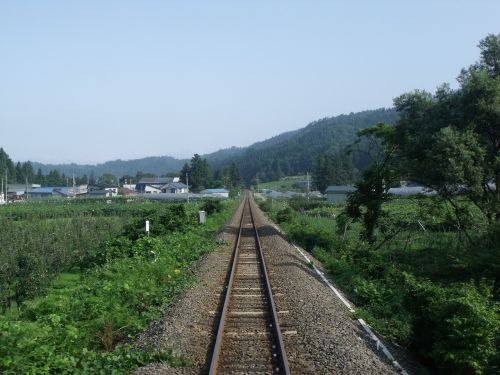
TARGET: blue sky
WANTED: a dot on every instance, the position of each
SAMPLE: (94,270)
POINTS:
(91,81)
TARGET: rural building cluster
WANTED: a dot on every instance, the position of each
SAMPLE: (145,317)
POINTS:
(155,187)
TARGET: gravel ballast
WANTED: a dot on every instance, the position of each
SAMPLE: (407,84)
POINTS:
(320,334)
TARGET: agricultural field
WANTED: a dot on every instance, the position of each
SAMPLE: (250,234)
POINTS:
(288,183)
(422,284)
(79,279)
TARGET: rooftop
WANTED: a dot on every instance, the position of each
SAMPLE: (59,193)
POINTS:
(213,191)
(157,180)
(175,185)
(340,189)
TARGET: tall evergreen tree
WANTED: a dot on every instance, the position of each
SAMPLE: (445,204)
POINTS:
(199,173)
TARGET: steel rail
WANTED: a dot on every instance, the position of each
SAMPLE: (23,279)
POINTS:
(276,327)
(284,367)
(220,332)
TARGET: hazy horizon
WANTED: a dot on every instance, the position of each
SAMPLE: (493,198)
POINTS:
(90,82)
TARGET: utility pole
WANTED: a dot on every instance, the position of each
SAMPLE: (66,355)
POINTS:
(187,184)
(307,174)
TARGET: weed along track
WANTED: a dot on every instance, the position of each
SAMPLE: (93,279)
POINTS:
(248,338)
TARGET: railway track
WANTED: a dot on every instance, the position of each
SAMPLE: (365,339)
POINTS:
(248,338)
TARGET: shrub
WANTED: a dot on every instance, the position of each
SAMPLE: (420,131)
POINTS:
(266,205)
(211,206)
(453,327)
(285,215)
(302,204)
(308,236)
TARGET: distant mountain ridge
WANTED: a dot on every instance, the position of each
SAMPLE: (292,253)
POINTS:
(157,165)
(288,153)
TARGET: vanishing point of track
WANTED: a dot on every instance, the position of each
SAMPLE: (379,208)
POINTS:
(249,338)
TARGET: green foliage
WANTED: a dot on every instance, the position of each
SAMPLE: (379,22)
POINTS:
(303,204)
(308,236)
(33,252)
(329,169)
(284,215)
(229,177)
(454,326)
(211,206)
(457,133)
(419,288)
(164,219)
(198,173)
(83,322)
(265,205)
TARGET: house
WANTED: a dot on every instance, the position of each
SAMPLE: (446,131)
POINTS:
(103,193)
(338,194)
(155,184)
(150,189)
(174,188)
(17,192)
(223,193)
(23,187)
(43,193)
(95,187)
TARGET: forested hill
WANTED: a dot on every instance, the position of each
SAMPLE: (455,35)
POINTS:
(288,153)
(157,165)
(294,152)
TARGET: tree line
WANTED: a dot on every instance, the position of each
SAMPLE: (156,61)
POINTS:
(448,141)
(197,174)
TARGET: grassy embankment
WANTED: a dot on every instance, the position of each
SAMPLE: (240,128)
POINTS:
(423,284)
(79,280)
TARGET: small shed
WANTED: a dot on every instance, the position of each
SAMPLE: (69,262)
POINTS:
(338,194)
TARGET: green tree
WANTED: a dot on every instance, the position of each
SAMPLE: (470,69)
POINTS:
(107,179)
(332,169)
(39,178)
(185,173)
(6,166)
(457,132)
(199,173)
(366,202)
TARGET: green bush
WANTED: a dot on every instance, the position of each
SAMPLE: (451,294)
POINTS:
(309,237)
(454,327)
(266,205)
(211,206)
(165,219)
(303,204)
(285,215)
